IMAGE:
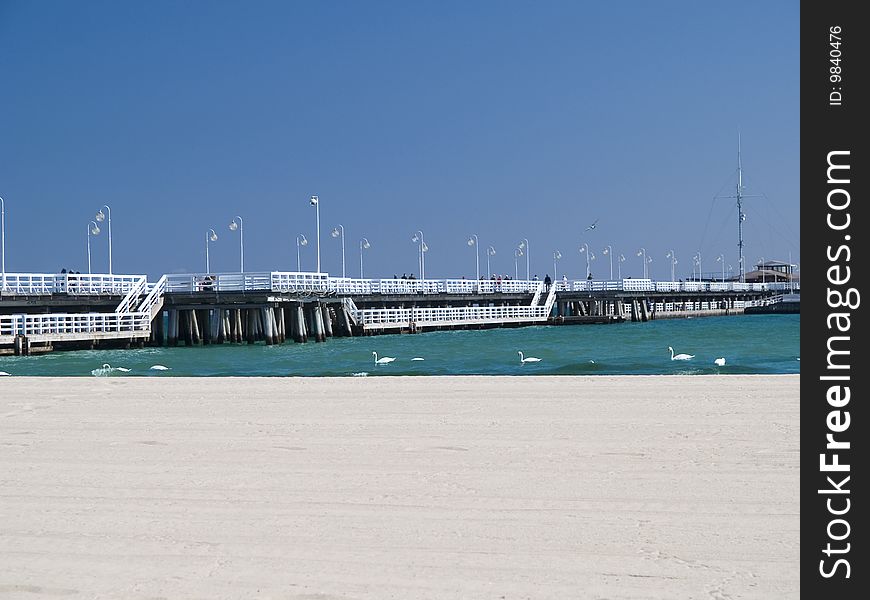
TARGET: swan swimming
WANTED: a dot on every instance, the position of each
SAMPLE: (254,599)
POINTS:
(418,358)
(159,368)
(108,369)
(720,362)
(360,374)
(5,374)
(531,359)
(383,361)
(680,356)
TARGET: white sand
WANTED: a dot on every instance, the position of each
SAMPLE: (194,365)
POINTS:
(496,487)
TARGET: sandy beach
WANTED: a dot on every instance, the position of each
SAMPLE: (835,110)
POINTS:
(448,487)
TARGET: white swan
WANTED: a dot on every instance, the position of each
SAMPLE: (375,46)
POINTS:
(680,356)
(383,361)
(530,359)
(418,358)
(159,368)
(5,374)
(720,362)
(107,370)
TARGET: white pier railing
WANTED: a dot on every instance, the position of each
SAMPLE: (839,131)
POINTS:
(74,326)
(46,284)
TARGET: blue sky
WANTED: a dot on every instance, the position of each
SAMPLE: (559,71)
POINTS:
(506,119)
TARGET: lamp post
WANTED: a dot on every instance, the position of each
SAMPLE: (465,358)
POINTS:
(524,246)
(3,241)
(673,258)
(721,259)
(363,245)
(315,202)
(642,252)
(300,241)
(418,239)
(107,216)
(489,252)
(240,226)
(473,241)
(210,236)
(517,254)
(93,229)
(556,256)
(339,232)
(761,267)
(585,250)
(608,252)
(698,259)
(619,262)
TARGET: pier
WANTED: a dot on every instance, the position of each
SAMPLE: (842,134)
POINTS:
(44,312)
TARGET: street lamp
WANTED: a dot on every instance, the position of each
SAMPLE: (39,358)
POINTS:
(556,256)
(698,259)
(585,250)
(473,241)
(489,252)
(339,232)
(619,262)
(107,216)
(721,259)
(240,226)
(300,241)
(93,229)
(418,239)
(517,254)
(210,236)
(608,252)
(642,252)
(524,246)
(3,241)
(673,258)
(761,268)
(315,202)
(363,245)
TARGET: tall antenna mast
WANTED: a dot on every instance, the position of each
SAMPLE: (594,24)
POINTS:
(740,216)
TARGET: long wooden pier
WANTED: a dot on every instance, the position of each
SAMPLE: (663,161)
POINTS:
(43,312)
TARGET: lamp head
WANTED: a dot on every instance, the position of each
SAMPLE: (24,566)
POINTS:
(415,238)
(471,241)
(490,251)
(557,255)
(101,216)
(335,232)
(95,229)
(314,200)
(212,236)
(234,225)
(425,247)
(365,244)
(605,252)
(303,241)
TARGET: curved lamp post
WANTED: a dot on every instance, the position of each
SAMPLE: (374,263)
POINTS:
(556,256)
(642,252)
(339,232)
(93,229)
(608,252)
(473,241)
(210,236)
(697,259)
(315,202)
(524,246)
(721,259)
(3,241)
(585,250)
(107,216)
(673,258)
(241,227)
(489,252)
(619,262)
(517,254)
(363,245)
(418,239)
(300,241)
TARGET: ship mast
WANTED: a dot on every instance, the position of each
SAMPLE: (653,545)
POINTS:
(740,216)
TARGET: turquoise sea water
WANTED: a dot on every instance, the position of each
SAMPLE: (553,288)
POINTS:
(750,344)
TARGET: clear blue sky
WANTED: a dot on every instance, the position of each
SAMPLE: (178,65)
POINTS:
(506,119)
